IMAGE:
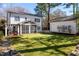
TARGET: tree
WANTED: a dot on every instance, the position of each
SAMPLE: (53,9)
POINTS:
(2,25)
(45,21)
(13,9)
(75,8)
(59,13)
(44,9)
(16,9)
(75,12)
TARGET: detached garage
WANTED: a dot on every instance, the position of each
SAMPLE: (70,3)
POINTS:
(64,25)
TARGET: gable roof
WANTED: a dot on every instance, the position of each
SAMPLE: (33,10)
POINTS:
(24,13)
(66,18)
(26,22)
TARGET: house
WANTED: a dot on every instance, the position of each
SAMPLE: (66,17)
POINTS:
(21,23)
(67,24)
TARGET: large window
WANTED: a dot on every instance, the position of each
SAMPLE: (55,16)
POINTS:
(17,18)
(37,20)
(64,29)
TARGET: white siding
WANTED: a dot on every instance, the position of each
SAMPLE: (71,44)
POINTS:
(13,21)
(54,25)
(22,19)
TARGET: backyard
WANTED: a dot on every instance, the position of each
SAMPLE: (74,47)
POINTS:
(40,44)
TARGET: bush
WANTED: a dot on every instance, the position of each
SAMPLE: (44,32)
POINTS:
(1,34)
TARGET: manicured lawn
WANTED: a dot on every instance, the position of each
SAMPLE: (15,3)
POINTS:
(44,44)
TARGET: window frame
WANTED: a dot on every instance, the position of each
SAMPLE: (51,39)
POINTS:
(17,18)
(37,20)
(25,18)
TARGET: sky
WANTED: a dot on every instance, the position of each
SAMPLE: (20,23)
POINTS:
(30,7)
(27,6)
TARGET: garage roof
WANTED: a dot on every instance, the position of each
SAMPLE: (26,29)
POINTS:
(66,18)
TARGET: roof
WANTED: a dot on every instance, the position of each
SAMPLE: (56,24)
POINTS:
(66,18)
(24,13)
(26,22)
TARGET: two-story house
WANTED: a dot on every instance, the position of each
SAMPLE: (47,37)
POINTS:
(22,23)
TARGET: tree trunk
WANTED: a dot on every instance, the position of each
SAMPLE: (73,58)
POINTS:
(77,9)
(48,16)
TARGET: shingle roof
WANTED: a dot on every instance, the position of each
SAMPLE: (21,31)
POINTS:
(66,18)
(26,22)
(24,13)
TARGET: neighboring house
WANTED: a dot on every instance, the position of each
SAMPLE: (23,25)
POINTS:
(66,24)
(22,23)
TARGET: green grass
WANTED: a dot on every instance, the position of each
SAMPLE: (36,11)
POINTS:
(44,44)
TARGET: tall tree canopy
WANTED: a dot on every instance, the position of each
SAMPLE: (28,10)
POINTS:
(56,13)
(75,7)
(44,9)
(59,13)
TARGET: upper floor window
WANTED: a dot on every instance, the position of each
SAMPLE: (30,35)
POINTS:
(17,18)
(37,20)
(26,18)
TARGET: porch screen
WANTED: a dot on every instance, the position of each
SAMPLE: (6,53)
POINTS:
(25,29)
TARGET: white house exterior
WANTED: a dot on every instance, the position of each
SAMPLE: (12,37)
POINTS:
(64,25)
(22,23)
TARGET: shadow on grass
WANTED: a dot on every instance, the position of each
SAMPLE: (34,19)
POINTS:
(17,39)
(56,37)
(46,48)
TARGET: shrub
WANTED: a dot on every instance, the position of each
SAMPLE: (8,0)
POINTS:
(1,35)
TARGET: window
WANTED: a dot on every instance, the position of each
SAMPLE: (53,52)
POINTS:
(37,20)
(17,18)
(26,18)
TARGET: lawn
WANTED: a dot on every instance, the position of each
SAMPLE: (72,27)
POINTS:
(40,44)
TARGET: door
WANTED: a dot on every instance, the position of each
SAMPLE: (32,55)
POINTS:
(15,30)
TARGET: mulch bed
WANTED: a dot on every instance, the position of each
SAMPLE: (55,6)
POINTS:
(6,50)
